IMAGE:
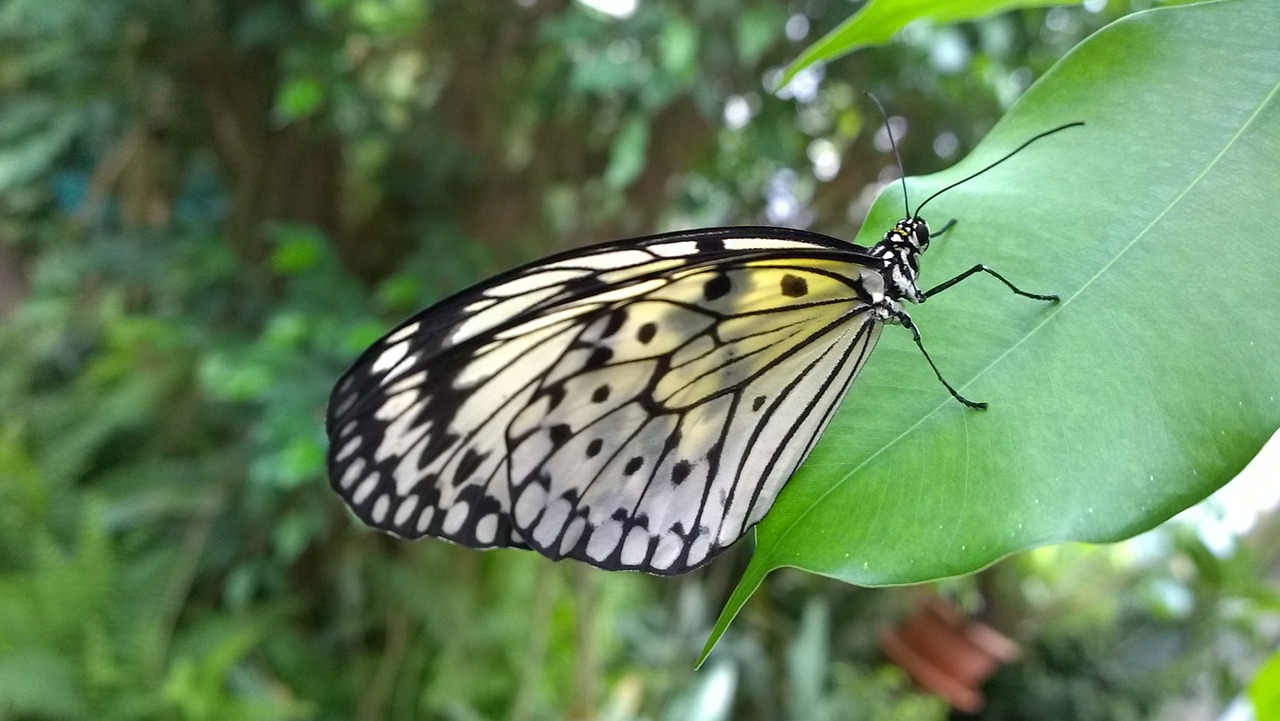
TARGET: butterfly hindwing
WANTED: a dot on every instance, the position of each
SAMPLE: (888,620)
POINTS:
(417,424)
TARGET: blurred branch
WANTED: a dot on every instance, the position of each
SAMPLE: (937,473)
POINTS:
(13,279)
(535,656)
(274,171)
(1264,541)
(585,691)
(140,169)
(374,700)
(192,549)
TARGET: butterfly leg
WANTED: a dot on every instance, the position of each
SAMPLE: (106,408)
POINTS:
(906,321)
(984,269)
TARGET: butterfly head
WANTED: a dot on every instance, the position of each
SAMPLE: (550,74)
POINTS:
(900,249)
(913,232)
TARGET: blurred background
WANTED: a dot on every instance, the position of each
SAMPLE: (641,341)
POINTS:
(209,208)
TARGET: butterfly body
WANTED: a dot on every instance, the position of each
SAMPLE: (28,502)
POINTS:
(634,405)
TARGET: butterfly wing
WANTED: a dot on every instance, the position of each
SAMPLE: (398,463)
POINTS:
(633,405)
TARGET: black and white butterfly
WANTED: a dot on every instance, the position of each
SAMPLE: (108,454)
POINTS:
(635,405)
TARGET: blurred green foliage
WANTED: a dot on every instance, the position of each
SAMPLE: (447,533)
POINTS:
(209,208)
(1264,691)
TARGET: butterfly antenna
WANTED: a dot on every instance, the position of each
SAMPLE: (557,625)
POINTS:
(902,173)
(1012,153)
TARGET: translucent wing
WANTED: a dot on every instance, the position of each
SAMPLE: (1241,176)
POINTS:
(416,426)
(633,405)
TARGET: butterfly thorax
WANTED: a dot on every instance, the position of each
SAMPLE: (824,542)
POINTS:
(900,250)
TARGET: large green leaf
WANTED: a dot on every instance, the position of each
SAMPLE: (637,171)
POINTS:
(1151,384)
(877,21)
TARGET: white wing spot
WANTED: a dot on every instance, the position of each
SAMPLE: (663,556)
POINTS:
(605,261)
(535,280)
(635,547)
(424,520)
(395,405)
(380,508)
(667,552)
(552,522)
(404,333)
(675,250)
(572,534)
(354,471)
(417,379)
(348,449)
(763,244)
(604,538)
(700,548)
(532,500)
(496,314)
(400,438)
(456,516)
(345,405)
(390,357)
(366,488)
(479,305)
(487,528)
(406,509)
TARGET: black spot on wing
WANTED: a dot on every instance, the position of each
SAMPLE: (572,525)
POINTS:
(717,287)
(615,321)
(793,286)
(598,358)
(646,332)
(713,453)
(468,465)
(560,434)
(555,394)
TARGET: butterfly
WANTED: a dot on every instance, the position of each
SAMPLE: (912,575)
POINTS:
(636,405)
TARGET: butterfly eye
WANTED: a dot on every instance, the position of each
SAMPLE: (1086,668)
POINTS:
(921,236)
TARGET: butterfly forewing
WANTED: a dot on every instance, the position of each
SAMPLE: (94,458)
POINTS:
(632,405)
(417,423)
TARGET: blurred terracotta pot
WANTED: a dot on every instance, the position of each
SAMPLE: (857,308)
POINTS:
(947,653)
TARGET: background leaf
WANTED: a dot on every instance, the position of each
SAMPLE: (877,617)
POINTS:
(1264,692)
(878,20)
(1151,384)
